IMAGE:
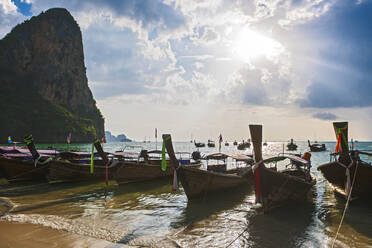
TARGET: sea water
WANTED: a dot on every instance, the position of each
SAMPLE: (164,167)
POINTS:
(151,214)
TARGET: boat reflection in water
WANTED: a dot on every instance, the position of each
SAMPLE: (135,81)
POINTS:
(147,213)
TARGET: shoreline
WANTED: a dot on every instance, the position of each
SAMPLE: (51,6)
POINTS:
(34,235)
(16,234)
(13,234)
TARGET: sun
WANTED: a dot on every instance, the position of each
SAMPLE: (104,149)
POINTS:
(249,45)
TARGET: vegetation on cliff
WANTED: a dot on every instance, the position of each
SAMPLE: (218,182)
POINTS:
(43,84)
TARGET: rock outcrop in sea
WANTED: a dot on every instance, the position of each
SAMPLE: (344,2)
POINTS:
(112,138)
(43,84)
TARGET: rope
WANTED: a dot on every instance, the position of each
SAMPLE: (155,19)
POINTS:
(237,237)
(240,234)
(346,205)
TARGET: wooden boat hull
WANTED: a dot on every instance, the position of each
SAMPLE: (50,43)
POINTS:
(199,145)
(291,147)
(244,146)
(133,172)
(277,188)
(65,171)
(197,183)
(15,170)
(317,149)
(336,176)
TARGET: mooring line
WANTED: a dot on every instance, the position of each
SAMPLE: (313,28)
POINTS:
(346,205)
(240,234)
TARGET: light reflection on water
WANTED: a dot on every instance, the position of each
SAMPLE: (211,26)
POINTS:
(145,213)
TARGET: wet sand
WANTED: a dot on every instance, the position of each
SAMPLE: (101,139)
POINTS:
(29,235)
(13,234)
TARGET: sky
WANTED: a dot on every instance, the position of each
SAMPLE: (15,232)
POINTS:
(196,69)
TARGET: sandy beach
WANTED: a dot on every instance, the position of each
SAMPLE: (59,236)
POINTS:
(13,234)
(29,235)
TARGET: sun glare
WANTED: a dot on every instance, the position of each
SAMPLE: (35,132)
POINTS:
(250,44)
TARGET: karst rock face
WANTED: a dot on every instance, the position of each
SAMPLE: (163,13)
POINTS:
(43,83)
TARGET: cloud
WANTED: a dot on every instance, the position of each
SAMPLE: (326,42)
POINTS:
(210,35)
(8,7)
(343,78)
(342,93)
(9,16)
(299,12)
(147,13)
(286,13)
(176,49)
(325,116)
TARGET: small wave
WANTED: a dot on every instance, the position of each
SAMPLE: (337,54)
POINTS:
(86,228)
(6,205)
(76,226)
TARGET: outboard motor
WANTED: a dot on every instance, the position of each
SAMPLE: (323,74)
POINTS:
(196,155)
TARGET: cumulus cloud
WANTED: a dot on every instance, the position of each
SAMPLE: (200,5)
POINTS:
(325,116)
(304,11)
(147,13)
(9,16)
(178,48)
(210,35)
(265,84)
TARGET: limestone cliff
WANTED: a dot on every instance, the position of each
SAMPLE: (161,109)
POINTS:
(43,84)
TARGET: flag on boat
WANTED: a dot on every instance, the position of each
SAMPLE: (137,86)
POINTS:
(156,133)
(92,160)
(163,158)
(10,140)
(68,139)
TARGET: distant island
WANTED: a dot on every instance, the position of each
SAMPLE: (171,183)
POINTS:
(113,138)
(43,84)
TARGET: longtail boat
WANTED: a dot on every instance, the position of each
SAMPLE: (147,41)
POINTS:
(20,164)
(61,170)
(148,167)
(347,173)
(74,166)
(199,144)
(291,146)
(316,147)
(197,182)
(211,143)
(21,167)
(244,145)
(276,187)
